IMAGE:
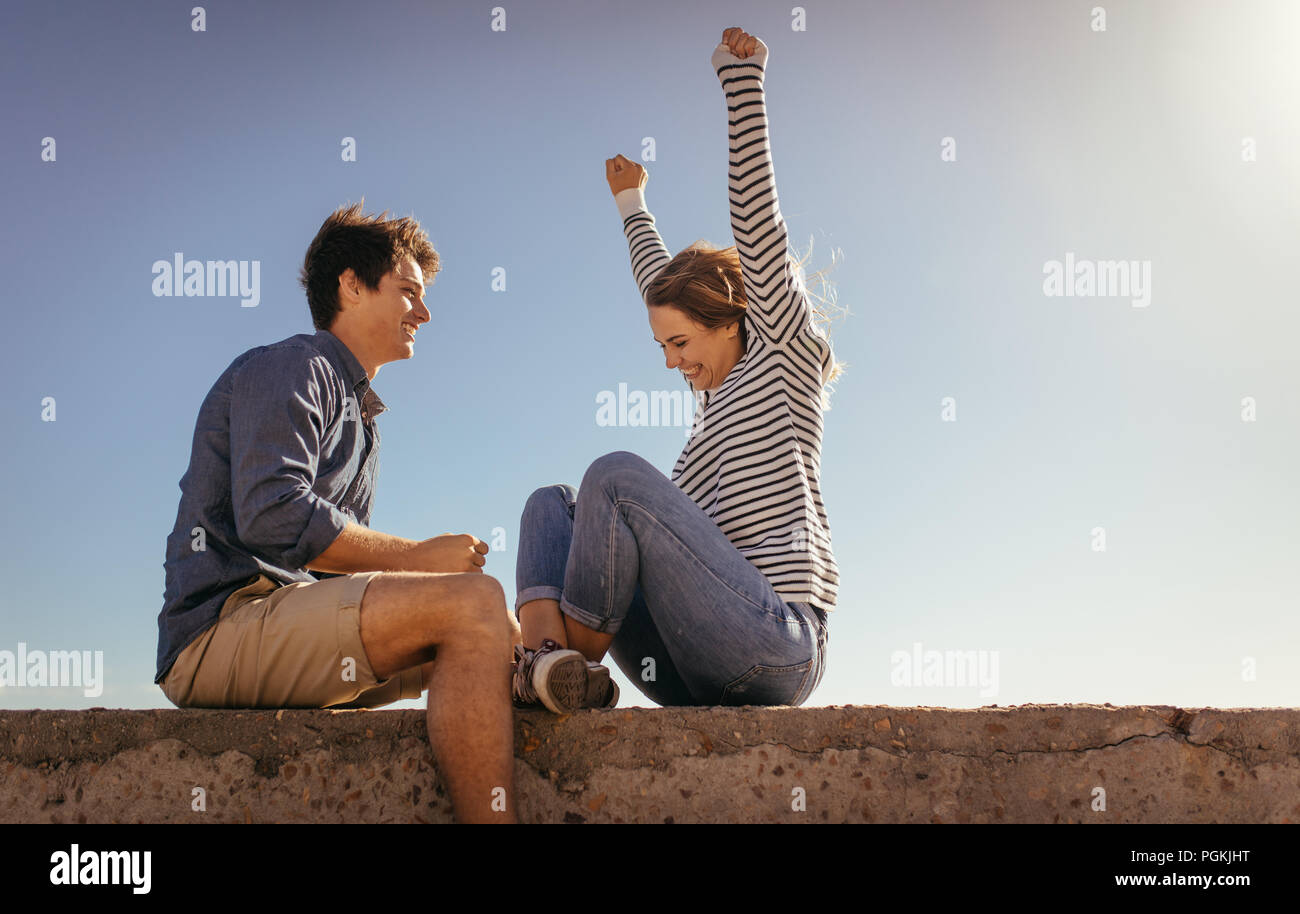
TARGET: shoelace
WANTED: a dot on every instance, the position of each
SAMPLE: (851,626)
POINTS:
(524,660)
(524,691)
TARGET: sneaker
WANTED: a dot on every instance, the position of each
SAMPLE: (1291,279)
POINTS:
(552,676)
(602,691)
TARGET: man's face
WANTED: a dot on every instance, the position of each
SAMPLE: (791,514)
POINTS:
(390,316)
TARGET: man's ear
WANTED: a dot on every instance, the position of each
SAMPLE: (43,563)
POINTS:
(349,288)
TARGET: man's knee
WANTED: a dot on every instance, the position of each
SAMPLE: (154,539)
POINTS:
(406,616)
(479,612)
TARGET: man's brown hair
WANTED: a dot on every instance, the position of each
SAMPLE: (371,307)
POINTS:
(371,245)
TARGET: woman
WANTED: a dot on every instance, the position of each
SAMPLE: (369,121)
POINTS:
(712,587)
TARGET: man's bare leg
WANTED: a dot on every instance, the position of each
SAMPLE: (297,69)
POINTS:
(542,619)
(460,622)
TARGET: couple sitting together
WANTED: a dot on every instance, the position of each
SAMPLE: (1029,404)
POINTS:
(722,576)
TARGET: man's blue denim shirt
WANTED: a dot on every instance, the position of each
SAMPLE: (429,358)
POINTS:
(284,457)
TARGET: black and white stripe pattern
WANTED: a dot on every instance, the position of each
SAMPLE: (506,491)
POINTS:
(753,462)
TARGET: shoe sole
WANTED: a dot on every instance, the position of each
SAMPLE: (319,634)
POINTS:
(560,679)
(609,686)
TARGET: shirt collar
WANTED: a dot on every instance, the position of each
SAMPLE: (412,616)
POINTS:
(353,374)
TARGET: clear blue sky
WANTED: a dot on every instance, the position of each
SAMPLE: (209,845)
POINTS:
(976,535)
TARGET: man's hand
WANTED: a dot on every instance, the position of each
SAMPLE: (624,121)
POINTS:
(623,174)
(449,553)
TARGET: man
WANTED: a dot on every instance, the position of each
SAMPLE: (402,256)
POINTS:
(280,483)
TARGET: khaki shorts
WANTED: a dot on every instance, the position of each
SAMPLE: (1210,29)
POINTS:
(291,646)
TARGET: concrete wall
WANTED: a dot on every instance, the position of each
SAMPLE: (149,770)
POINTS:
(1032,763)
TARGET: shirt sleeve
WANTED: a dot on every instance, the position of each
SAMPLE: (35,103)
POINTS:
(280,404)
(778,303)
(648,252)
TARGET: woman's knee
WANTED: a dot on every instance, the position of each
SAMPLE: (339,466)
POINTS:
(549,498)
(619,470)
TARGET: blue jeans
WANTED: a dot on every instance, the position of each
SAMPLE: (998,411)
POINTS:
(694,622)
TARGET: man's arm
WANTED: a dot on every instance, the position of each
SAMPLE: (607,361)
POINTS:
(279,409)
(359,548)
(280,406)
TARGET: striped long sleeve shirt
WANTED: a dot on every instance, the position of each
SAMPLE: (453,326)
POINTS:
(753,460)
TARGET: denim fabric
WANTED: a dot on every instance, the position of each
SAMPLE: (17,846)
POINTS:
(284,457)
(630,554)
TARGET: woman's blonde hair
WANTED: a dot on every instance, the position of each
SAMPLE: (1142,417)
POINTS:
(705,283)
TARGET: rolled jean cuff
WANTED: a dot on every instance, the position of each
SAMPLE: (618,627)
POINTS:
(593,622)
(538,592)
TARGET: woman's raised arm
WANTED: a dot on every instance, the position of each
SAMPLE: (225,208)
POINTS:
(627,180)
(778,303)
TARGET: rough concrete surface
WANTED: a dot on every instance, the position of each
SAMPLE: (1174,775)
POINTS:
(1029,763)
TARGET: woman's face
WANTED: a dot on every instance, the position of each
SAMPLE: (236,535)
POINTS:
(704,357)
